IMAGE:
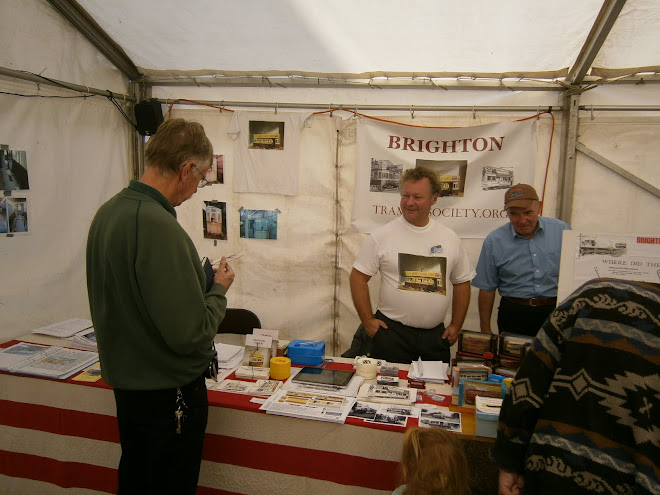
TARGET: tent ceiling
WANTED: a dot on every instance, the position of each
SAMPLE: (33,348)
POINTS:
(517,38)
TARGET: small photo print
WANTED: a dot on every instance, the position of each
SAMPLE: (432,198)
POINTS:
(13,170)
(496,178)
(389,419)
(385,176)
(214,220)
(258,224)
(215,174)
(17,213)
(4,219)
(266,135)
(363,410)
(440,416)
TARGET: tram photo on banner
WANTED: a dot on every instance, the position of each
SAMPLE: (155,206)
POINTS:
(474,166)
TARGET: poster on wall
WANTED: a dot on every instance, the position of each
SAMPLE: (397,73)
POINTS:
(586,256)
(215,174)
(267,151)
(13,169)
(258,224)
(214,220)
(13,215)
(475,166)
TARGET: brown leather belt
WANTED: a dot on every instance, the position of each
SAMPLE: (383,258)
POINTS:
(534,301)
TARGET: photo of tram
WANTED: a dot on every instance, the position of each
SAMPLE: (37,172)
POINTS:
(422,273)
(496,178)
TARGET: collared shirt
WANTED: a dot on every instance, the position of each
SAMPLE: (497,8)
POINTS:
(521,267)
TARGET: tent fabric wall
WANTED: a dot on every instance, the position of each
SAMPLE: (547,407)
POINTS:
(36,38)
(289,282)
(78,154)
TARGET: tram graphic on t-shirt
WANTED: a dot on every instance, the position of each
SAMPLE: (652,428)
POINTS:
(422,273)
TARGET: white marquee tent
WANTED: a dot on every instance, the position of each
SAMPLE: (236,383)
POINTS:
(428,62)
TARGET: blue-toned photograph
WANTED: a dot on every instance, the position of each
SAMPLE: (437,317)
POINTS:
(259,224)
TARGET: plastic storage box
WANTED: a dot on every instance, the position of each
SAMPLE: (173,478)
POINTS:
(487,411)
(306,352)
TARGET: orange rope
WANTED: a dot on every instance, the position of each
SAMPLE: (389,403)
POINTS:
(355,112)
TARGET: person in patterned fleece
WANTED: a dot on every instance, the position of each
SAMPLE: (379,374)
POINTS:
(583,412)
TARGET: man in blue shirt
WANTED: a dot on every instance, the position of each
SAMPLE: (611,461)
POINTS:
(521,260)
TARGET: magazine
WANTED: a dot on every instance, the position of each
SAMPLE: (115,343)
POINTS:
(309,405)
(43,360)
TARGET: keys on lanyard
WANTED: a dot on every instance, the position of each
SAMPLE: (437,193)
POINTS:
(179,415)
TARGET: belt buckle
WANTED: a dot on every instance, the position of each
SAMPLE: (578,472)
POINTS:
(532,301)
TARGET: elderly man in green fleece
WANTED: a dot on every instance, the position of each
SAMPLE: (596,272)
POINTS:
(153,320)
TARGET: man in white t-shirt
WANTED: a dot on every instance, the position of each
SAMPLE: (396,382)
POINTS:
(417,258)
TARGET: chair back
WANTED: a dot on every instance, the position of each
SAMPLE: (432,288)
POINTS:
(240,321)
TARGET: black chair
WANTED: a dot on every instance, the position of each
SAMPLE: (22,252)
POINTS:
(240,321)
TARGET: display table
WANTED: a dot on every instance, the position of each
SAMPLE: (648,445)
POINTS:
(58,434)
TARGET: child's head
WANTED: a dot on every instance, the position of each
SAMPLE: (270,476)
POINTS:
(433,462)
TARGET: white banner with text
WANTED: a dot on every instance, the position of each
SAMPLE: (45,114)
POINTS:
(475,166)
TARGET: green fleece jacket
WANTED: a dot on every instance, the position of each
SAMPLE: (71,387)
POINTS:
(154,324)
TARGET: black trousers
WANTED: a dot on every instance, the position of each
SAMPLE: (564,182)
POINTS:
(524,320)
(399,343)
(155,459)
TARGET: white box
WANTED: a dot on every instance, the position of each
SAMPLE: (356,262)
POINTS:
(487,412)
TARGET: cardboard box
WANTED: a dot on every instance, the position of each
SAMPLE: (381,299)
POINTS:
(487,411)
(306,352)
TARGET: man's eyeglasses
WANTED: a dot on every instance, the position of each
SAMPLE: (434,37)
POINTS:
(202,181)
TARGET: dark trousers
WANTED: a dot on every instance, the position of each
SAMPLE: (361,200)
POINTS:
(524,320)
(155,459)
(399,343)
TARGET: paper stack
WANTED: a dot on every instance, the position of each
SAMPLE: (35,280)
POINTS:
(429,371)
(85,340)
(252,373)
(229,356)
(65,328)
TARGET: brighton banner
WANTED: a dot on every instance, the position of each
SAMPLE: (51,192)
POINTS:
(475,166)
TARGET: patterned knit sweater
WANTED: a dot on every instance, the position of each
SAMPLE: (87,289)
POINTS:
(583,413)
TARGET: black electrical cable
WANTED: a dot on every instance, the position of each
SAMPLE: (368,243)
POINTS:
(84,95)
